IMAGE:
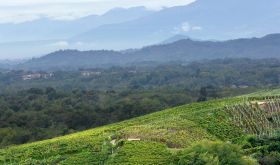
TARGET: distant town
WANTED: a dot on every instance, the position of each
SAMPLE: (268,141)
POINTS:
(37,75)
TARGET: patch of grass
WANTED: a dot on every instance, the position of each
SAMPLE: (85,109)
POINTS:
(139,152)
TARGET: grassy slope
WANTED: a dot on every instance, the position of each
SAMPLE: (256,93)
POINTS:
(161,134)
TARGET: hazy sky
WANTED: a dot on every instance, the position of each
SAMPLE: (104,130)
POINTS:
(16,11)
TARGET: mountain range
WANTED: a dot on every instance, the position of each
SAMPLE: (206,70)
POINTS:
(136,27)
(185,51)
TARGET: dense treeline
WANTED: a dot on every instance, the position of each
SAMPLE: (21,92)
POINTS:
(218,73)
(37,114)
(71,101)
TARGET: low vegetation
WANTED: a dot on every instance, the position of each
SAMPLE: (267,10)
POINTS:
(214,153)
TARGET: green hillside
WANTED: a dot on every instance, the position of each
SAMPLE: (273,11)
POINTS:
(151,139)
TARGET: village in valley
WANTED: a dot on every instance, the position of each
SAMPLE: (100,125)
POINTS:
(37,75)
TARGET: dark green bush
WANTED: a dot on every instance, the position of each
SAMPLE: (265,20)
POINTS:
(214,153)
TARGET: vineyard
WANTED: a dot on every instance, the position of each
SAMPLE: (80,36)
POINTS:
(260,118)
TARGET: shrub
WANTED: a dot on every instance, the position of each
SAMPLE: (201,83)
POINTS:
(213,153)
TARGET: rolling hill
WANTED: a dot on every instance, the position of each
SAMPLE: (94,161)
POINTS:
(150,139)
(186,50)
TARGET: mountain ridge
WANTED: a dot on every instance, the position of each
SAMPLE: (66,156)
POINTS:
(185,50)
(216,20)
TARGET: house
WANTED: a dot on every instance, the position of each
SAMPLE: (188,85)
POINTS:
(47,75)
(31,76)
(90,73)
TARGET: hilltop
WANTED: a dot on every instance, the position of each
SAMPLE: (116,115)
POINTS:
(144,140)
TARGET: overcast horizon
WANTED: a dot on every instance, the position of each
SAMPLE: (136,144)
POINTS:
(19,11)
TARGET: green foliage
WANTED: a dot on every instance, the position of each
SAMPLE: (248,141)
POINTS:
(265,150)
(137,153)
(213,153)
(215,120)
(67,150)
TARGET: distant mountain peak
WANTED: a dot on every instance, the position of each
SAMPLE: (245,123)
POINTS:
(175,38)
(120,10)
(274,35)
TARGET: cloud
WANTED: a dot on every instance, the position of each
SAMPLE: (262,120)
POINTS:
(186,27)
(17,11)
(60,44)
